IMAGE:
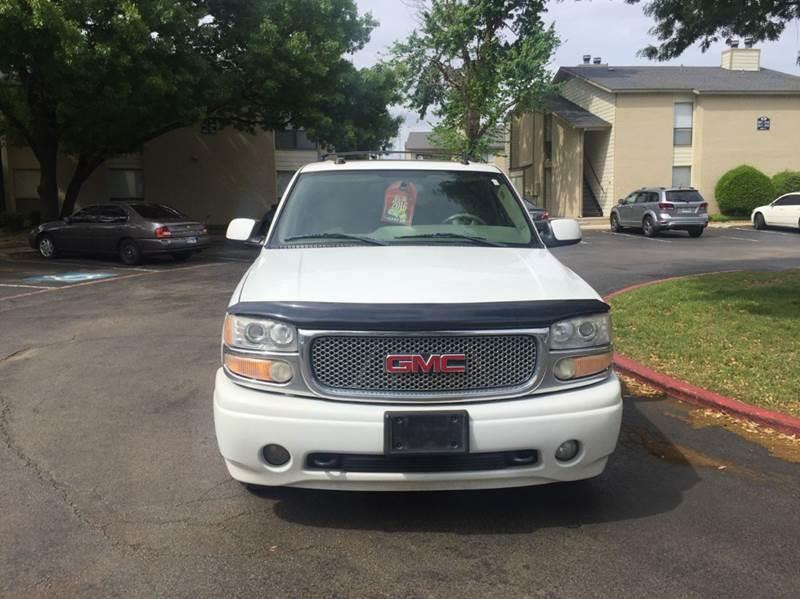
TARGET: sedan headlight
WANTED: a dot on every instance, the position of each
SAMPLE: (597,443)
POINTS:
(585,331)
(258,334)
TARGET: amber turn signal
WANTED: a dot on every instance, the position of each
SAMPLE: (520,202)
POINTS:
(268,371)
(581,366)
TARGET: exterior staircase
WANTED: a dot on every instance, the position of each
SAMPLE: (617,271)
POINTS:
(591,207)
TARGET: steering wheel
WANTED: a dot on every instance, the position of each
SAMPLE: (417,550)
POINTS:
(464,218)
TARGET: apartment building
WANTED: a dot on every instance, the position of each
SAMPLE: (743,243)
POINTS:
(614,129)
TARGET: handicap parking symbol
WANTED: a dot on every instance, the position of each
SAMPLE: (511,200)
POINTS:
(70,277)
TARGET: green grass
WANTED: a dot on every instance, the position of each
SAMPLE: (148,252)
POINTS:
(722,218)
(735,333)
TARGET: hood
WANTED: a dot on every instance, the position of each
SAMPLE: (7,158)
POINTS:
(409,274)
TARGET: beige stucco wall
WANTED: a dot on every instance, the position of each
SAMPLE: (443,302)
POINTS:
(726,136)
(644,149)
(567,167)
(212,177)
(209,177)
(601,146)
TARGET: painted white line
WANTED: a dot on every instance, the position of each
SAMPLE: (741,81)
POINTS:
(26,286)
(739,238)
(758,231)
(629,236)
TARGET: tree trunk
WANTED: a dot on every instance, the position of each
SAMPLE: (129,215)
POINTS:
(47,155)
(83,170)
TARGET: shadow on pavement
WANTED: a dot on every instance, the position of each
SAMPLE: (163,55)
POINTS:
(647,475)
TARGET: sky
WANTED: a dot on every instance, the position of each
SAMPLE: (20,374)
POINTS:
(611,29)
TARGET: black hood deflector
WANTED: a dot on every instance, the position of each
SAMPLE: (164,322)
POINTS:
(421,317)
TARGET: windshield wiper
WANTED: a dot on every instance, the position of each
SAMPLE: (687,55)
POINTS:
(341,236)
(472,238)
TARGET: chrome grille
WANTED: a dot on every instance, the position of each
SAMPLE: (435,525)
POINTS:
(357,363)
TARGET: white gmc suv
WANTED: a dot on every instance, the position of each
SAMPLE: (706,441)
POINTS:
(405,327)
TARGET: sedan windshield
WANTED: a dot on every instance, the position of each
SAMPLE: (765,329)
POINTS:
(409,207)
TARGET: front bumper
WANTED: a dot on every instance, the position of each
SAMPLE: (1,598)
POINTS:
(246,420)
(173,244)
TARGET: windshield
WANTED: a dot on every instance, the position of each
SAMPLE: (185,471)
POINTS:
(684,196)
(395,207)
(156,211)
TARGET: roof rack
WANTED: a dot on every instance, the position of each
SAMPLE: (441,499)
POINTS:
(376,154)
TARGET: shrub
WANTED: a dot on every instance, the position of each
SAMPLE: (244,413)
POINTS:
(743,188)
(786,182)
(12,222)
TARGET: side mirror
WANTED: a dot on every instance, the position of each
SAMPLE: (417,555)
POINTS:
(563,231)
(67,219)
(240,229)
(620,201)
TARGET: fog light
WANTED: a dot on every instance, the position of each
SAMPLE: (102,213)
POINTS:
(280,372)
(567,450)
(565,369)
(275,455)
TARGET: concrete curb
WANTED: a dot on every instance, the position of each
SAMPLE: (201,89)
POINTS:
(724,225)
(697,395)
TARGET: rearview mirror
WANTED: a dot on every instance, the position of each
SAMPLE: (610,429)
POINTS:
(240,229)
(563,231)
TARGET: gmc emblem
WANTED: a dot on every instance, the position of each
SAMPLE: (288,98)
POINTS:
(414,363)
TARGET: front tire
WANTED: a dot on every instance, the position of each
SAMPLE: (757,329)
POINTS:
(649,227)
(46,247)
(696,231)
(615,226)
(759,222)
(129,252)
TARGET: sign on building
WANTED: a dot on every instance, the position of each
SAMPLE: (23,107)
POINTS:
(762,123)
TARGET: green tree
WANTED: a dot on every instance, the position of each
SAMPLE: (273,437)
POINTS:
(473,62)
(94,78)
(681,23)
(786,182)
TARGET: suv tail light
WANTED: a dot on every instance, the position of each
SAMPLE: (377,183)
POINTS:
(666,206)
(703,208)
(163,232)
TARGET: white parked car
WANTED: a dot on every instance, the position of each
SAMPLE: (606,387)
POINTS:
(783,212)
(404,327)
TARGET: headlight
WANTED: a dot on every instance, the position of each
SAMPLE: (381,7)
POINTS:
(577,333)
(243,332)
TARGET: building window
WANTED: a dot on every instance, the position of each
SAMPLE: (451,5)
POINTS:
(682,124)
(293,139)
(681,176)
(126,183)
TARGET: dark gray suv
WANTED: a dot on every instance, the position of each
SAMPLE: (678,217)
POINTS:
(655,209)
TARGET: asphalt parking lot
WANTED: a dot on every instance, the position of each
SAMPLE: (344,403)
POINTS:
(111,484)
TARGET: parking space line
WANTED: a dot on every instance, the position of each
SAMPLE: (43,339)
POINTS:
(106,280)
(629,236)
(759,231)
(739,238)
(26,286)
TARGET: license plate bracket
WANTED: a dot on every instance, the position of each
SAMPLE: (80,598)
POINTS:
(191,240)
(426,433)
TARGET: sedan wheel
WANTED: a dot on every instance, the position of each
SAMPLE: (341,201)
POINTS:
(129,252)
(46,246)
(759,222)
(649,227)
